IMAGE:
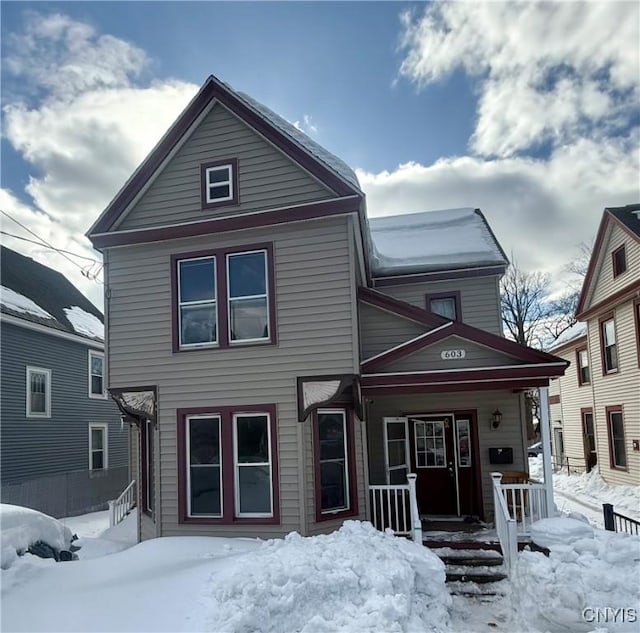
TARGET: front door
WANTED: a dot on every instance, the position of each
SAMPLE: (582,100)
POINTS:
(442,457)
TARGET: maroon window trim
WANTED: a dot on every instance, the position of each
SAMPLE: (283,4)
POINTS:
(601,321)
(226,414)
(235,197)
(614,262)
(221,300)
(636,316)
(454,294)
(609,410)
(581,382)
(352,510)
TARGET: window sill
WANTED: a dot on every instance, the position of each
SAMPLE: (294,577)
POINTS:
(622,469)
(341,514)
(240,344)
(275,520)
(93,396)
(611,372)
(38,416)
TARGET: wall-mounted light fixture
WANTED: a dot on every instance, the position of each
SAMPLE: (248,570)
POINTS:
(496,419)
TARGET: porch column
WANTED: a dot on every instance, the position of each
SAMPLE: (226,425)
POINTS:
(545,433)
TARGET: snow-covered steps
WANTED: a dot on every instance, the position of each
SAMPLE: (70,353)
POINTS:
(481,576)
(486,592)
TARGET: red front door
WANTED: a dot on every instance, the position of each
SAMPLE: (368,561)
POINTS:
(442,457)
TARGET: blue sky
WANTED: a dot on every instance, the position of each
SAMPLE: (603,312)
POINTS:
(527,111)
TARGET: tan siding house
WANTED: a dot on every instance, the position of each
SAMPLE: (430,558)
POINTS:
(262,338)
(598,407)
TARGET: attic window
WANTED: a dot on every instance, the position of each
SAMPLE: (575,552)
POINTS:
(219,183)
(619,261)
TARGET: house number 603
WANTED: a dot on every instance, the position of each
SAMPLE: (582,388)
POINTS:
(452,354)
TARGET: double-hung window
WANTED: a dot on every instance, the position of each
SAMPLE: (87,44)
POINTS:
(38,390)
(96,375)
(619,257)
(223,298)
(229,471)
(615,428)
(583,367)
(609,347)
(204,481)
(219,183)
(98,447)
(197,302)
(335,493)
(248,298)
(252,461)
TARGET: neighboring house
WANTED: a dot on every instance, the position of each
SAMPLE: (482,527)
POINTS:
(63,450)
(278,351)
(608,369)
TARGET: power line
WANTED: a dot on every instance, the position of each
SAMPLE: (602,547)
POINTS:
(61,250)
(86,271)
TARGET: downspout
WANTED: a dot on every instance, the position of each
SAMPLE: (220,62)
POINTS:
(545,432)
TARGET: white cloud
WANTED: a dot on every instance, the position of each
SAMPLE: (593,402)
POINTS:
(547,71)
(306,125)
(85,130)
(540,210)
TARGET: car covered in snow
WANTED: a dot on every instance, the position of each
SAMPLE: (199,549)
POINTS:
(535,449)
(24,530)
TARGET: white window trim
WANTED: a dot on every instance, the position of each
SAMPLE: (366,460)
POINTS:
(603,324)
(444,440)
(237,466)
(208,185)
(213,301)
(105,446)
(347,479)
(203,416)
(92,395)
(244,341)
(47,372)
(150,449)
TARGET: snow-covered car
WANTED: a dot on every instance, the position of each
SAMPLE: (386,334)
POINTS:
(535,449)
(24,530)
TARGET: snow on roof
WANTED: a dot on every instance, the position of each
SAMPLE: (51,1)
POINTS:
(330,160)
(85,323)
(19,303)
(433,240)
(576,331)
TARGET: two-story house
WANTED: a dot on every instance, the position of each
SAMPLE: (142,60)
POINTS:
(598,405)
(62,445)
(278,351)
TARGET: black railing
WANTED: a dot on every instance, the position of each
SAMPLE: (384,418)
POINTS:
(615,522)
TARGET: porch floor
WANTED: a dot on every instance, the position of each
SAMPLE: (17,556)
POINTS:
(458,533)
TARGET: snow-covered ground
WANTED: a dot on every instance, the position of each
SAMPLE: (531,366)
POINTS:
(585,494)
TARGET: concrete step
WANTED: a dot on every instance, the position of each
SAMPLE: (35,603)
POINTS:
(480,577)
(471,561)
(486,591)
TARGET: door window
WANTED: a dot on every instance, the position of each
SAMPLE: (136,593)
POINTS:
(430,444)
(463,438)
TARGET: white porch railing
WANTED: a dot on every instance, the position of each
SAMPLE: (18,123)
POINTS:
(120,507)
(396,507)
(505,525)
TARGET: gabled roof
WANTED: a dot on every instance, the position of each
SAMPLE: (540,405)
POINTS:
(628,219)
(449,239)
(35,293)
(444,329)
(326,167)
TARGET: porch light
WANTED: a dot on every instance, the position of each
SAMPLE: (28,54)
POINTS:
(496,419)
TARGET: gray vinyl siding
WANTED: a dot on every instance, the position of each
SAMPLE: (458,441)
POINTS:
(479,297)
(45,461)
(267,178)
(621,388)
(606,284)
(511,432)
(429,358)
(315,311)
(381,331)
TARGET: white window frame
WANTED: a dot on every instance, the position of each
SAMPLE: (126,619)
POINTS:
(187,428)
(208,185)
(433,420)
(105,446)
(347,478)
(96,396)
(47,373)
(244,341)
(207,302)
(603,335)
(237,466)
